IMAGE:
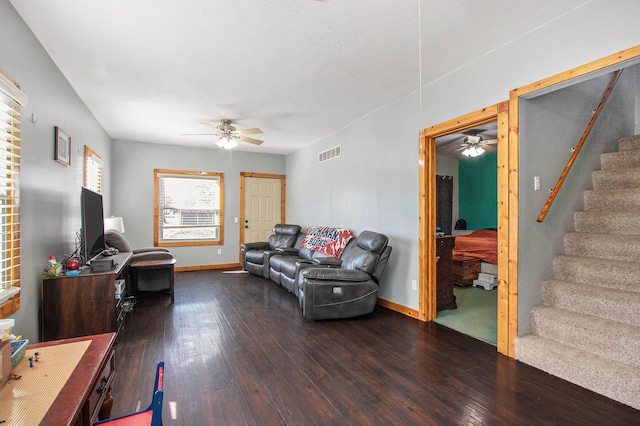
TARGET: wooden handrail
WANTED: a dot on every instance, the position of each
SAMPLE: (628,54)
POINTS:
(576,150)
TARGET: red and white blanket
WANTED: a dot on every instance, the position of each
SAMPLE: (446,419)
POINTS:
(327,240)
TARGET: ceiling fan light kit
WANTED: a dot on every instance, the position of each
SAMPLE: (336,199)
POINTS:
(226,143)
(473,151)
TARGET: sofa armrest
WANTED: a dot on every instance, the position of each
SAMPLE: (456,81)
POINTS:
(331,262)
(288,251)
(335,275)
(330,293)
(259,245)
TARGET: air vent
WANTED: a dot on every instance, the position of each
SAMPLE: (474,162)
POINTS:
(330,154)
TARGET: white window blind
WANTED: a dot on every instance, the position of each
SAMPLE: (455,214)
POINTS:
(93,166)
(189,206)
(11,99)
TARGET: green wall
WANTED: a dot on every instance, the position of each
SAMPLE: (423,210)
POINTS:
(478,191)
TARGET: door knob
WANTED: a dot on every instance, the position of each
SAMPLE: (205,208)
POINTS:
(246,221)
(246,226)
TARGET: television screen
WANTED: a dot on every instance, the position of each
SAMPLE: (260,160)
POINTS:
(92,225)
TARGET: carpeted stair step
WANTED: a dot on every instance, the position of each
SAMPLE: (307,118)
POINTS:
(626,223)
(603,246)
(616,274)
(620,160)
(615,380)
(608,339)
(614,200)
(630,143)
(616,179)
(612,304)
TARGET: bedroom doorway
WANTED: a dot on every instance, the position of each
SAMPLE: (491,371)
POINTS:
(473,186)
(427,298)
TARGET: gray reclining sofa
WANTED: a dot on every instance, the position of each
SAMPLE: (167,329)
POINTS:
(326,287)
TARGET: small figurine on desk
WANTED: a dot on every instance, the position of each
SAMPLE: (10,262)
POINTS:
(53,268)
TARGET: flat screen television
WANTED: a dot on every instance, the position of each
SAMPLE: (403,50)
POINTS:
(92,225)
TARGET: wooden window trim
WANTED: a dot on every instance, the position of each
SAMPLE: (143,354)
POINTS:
(156,210)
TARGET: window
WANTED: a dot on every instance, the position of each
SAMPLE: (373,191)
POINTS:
(189,208)
(93,166)
(11,99)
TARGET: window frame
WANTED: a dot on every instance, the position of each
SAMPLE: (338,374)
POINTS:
(14,99)
(156,208)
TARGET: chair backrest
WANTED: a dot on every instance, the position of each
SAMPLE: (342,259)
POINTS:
(364,252)
(284,236)
(158,396)
(115,239)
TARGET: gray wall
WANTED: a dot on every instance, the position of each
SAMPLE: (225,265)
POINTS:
(551,126)
(133,191)
(374,184)
(50,191)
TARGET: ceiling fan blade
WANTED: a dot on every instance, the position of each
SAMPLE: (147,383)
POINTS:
(489,148)
(253,131)
(246,139)
(213,126)
(450,148)
(198,134)
(490,142)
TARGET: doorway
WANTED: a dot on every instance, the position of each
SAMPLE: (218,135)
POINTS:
(262,205)
(507,323)
(467,164)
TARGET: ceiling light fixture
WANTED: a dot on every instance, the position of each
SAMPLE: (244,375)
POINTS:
(226,142)
(473,151)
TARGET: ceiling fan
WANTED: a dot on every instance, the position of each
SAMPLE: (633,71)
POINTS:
(473,143)
(229,135)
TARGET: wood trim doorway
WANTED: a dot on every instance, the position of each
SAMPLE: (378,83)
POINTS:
(507,220)
(283,190)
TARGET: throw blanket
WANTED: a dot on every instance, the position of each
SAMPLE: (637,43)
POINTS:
(327,240)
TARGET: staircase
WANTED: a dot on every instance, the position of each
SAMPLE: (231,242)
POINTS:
(588,330)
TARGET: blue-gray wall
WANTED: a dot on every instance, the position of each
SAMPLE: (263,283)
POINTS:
(133,192)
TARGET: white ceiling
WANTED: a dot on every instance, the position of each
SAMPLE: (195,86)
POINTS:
(300,70)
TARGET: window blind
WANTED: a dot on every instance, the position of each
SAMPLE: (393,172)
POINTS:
(11,100)
(93,166)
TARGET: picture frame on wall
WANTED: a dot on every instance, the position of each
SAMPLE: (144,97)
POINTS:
(63,147)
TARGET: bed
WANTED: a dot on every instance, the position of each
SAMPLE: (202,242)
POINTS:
(474,253)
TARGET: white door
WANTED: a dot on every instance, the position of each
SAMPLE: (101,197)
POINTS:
(262,207)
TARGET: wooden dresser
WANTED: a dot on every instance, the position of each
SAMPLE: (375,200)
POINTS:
(85,304)
(445,299)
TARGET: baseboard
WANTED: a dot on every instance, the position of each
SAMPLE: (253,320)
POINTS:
(208,267)
(398,308)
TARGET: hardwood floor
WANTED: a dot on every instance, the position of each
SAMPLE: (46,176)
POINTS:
(238,351)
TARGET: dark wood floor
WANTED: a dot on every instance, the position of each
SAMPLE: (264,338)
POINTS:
(237,351)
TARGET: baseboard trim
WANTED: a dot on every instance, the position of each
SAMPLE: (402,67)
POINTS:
(208,267)
(398,308)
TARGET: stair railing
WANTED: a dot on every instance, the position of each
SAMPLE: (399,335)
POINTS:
(576,150)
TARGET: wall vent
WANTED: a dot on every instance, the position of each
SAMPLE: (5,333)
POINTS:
(330,154)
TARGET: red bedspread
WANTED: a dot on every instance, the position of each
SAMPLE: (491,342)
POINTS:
(482,244)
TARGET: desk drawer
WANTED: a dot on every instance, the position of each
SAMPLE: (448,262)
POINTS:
(102,388)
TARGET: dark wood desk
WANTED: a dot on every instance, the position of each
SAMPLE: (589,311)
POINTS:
(136,265)
(87,390)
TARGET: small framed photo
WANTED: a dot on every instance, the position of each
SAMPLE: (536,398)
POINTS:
(63,147)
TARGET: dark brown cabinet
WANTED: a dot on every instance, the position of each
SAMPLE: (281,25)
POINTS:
(445,299)
(84,304)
